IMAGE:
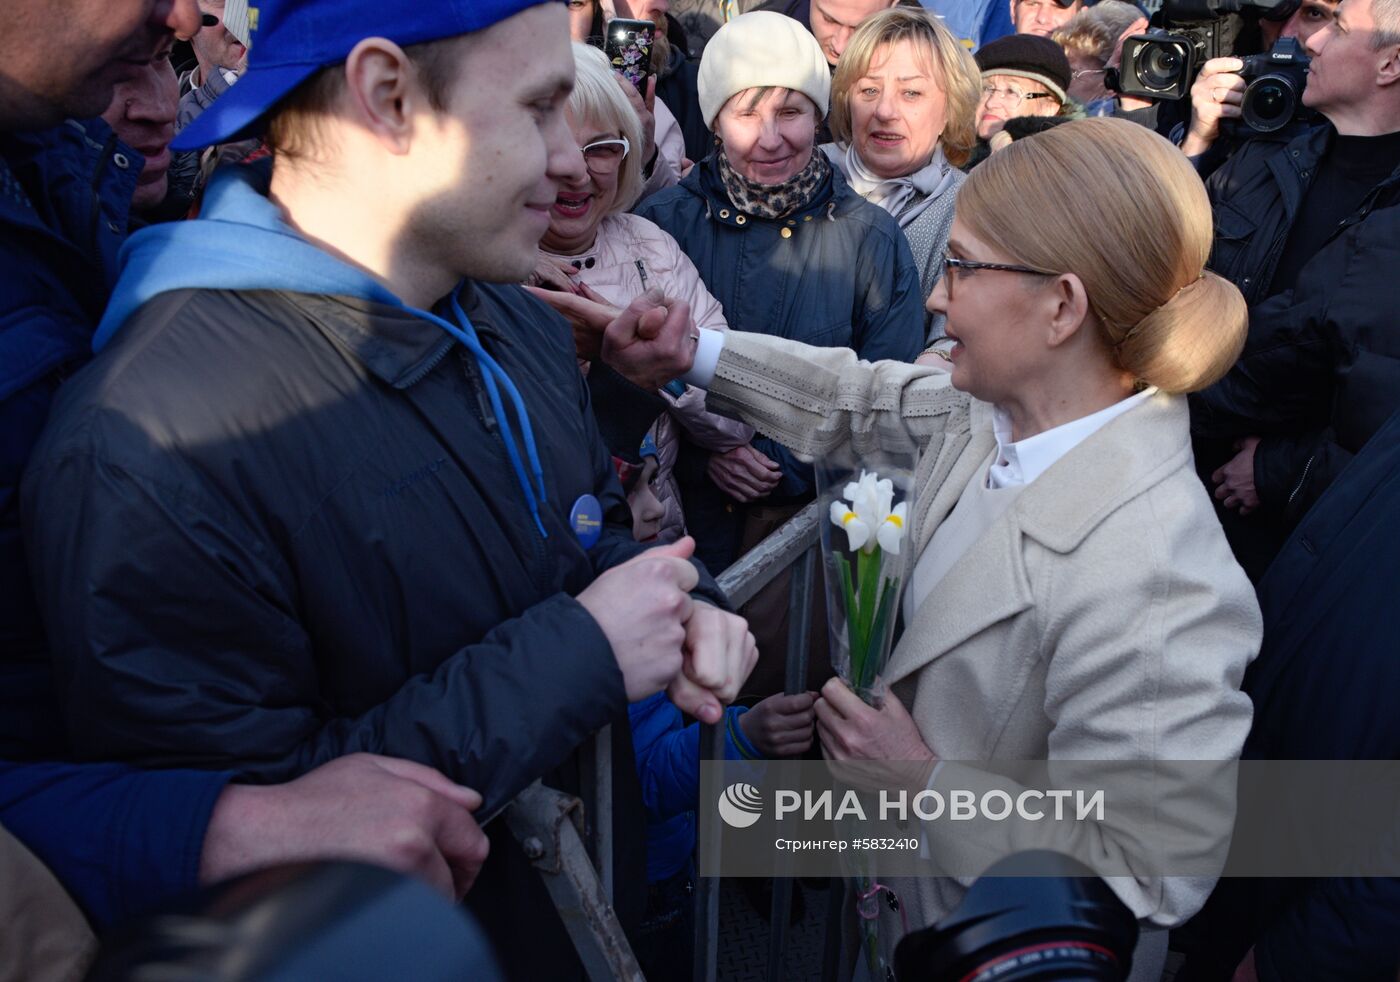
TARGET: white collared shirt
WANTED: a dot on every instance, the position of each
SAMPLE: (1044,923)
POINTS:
(1021,462)
(1014,466)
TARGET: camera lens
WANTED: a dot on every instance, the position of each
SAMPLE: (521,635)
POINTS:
(1161,66)
(1269,103)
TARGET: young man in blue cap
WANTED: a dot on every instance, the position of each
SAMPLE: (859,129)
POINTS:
(327,488)
(120,840)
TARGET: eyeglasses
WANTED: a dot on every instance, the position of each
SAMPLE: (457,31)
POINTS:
(1012,98)
(1080,73)
(964,267)
(605,156)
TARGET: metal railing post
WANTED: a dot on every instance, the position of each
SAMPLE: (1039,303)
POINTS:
(707,887)
(547,822)
(543,822)
(598,785)
(795,681)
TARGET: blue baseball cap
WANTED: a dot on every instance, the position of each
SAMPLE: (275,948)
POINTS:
(292,39)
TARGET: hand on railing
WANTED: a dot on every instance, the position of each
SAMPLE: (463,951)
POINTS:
(382,810)
(781,726)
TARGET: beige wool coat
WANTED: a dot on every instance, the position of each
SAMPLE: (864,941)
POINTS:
(1102,617)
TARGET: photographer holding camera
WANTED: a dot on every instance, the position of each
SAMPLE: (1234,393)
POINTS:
(1309,230)
(1217,94)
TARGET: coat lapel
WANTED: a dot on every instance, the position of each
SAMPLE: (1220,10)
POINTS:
(984,587)
(989,583)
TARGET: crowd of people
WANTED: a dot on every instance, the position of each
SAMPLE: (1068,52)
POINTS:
(385,385)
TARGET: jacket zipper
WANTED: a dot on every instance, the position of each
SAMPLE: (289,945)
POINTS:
(427,367)
(1302,480)
(95,190)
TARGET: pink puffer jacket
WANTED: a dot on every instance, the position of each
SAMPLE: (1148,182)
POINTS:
(629,256)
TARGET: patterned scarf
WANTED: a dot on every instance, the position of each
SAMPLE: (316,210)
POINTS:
(774,200)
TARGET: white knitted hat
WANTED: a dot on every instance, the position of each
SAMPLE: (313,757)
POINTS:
(759,49)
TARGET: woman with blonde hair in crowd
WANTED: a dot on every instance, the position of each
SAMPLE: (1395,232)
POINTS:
(903,105)
(594,246)
(1071,595)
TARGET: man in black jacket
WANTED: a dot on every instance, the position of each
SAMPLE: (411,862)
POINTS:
(327,488)
(1322,688)
(1310,233)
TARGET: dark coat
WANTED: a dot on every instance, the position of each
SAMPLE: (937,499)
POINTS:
(120,841)
(679,87)
(1320,371)
(1324,688)
(271,529)
(838,274)
(64,198)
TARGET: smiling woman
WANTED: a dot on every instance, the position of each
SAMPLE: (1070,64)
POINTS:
(785,245)
(592,242)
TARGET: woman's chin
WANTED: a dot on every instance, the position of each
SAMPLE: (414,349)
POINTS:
(887,160)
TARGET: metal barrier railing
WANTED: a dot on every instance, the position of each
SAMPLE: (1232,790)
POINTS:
(570,843)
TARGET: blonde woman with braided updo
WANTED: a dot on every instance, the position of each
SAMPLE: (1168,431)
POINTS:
(1072,596)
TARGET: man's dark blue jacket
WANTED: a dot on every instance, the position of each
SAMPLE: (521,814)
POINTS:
(278,519)
(120,840)
(1324,688)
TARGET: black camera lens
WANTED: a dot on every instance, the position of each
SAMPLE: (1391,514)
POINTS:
(1032,916)
(1161,66)
(1269,103)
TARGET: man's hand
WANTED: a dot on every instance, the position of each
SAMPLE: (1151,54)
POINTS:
(1217,93)
(649,342)
(381,810)
(1235,481)
(643,607)
(646,112)
(652,341)
(744,473)
(781,726)
(719,654)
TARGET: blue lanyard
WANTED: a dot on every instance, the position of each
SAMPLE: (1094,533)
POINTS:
(495,378)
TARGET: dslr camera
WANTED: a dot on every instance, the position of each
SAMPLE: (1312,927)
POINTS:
(1275,92)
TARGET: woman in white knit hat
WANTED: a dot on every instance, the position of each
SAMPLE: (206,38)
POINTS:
(786,247)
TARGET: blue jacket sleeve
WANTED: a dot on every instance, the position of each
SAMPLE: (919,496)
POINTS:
(668,754)
(997,24)
(120,840)
(888,322)
(1342,921)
